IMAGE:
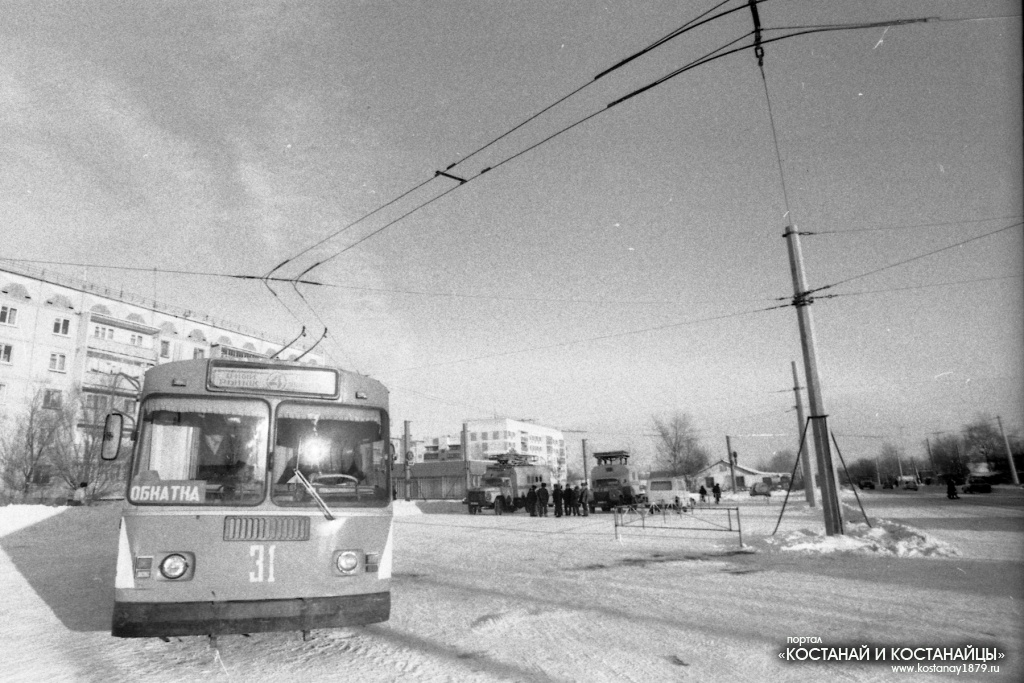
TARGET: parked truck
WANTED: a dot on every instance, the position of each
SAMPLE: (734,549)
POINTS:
(504,485)
(614,482)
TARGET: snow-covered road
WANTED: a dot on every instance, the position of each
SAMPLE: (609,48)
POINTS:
(514,598)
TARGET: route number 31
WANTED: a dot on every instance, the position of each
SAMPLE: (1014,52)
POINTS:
(263,563)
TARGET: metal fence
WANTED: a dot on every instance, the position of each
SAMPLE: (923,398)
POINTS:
(683,518)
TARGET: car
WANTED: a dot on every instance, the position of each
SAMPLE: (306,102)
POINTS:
(977,485)
(910,485)
(887,485)
(761,488)
(866,484)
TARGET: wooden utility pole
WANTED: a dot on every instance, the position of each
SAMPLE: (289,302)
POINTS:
(805,459)
(732,463)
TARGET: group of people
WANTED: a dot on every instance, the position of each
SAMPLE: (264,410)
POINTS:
(716,491)
(568,501)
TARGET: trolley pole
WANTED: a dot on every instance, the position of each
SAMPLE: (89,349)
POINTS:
(802,301)
(805,459)
(1009,453)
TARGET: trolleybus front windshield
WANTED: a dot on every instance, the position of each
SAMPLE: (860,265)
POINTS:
(201,452)
(340,451)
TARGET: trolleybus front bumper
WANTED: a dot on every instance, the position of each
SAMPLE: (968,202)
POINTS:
(155,619)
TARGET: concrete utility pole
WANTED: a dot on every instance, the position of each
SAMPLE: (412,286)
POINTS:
(801,301)
(1009,453)
(464,440)
(805,459)
(586,476)
(407,456)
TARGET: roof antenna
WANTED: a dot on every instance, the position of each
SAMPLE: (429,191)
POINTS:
(314,345)
(285,347)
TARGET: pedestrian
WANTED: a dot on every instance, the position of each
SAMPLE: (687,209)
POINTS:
(716,491)
(703,494)
(78,497)
(951,488)
(571,498)
(531,500)
(542,499)
(556,494)
(585,499)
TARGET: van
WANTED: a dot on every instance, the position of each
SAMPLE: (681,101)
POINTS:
(666,491)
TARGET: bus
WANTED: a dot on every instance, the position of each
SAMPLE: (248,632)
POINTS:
(258,499)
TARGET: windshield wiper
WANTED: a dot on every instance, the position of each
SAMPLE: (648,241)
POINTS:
(312,492)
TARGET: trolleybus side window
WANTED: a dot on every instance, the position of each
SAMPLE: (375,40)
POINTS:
(339,450)
(201,452)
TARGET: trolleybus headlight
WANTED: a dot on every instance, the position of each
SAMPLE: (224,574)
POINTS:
(174,566)
(347,561)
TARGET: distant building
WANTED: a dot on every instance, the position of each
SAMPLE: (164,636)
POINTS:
(491,439)
(60,335)
(720,473)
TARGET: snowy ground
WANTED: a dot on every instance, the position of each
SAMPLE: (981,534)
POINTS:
(514,598)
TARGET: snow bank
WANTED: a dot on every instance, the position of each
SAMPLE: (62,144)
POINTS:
(885,538)
(17,517)
(407,508)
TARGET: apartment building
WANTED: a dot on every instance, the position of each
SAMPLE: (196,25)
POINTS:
(490,439)
(59,335)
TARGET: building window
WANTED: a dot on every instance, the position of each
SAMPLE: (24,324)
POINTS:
(199,353)
(58,362)
(61,326)
(495,435)
(6,351)
(52,399)
(101,332)
(136,340)
(165,349)
(472,436)
(8,315)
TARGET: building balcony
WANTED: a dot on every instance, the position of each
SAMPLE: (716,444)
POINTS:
(104,382)
(121,349)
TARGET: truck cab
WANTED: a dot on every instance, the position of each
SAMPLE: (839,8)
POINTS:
(613,482)
(503,487)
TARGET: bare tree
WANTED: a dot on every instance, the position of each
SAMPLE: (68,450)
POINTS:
(889,462)
(678,449)
(76,449)
(26,442)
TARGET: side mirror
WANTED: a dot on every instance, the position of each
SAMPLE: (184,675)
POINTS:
(113,428)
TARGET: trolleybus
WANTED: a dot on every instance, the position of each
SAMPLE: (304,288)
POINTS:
(258,499)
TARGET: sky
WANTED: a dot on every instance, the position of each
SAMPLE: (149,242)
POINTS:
(597,275)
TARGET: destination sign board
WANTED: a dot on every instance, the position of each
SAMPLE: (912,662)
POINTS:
(284,380)
(169,492)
